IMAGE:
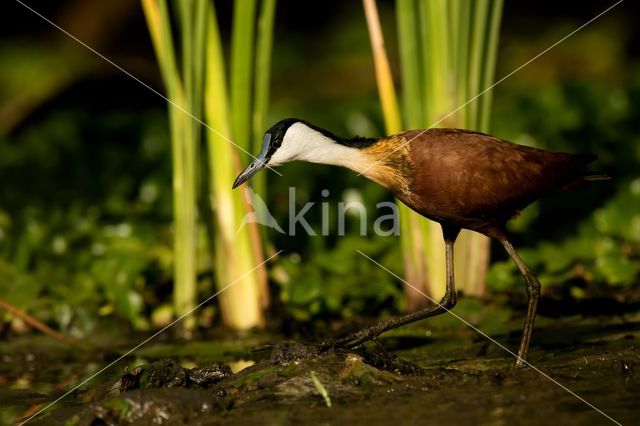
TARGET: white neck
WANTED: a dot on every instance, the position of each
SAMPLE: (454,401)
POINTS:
(301,142)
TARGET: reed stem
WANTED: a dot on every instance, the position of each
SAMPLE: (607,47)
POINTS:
(197,84)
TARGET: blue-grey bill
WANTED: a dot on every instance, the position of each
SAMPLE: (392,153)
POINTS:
(253,168)
(256,165)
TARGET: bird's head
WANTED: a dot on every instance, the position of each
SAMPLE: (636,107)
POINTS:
(272,142)
(293,139)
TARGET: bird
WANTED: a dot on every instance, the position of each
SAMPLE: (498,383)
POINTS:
(461,179)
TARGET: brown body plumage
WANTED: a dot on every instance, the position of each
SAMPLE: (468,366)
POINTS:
(472,180)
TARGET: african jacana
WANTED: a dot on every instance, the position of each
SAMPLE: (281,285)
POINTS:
(458,178)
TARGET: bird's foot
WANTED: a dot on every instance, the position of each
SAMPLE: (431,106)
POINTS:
(376,355)
(358,338)
(284,353)
(290,351)
(520,363)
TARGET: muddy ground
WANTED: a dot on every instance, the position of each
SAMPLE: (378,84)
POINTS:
(432,373)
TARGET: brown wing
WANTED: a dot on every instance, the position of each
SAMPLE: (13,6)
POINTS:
(460,174)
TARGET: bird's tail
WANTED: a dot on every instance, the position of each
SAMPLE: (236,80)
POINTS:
(594,176)
(584,179)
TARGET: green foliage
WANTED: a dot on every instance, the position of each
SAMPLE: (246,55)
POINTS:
(70,263)
(589,237)
(70,257)
(604,251)
(341,282)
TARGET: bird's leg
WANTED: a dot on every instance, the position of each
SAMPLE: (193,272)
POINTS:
(533,291)
(447,302)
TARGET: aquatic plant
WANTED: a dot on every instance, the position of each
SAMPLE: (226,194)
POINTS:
(196,89)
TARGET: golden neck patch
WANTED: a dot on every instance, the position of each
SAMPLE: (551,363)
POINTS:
(389,163)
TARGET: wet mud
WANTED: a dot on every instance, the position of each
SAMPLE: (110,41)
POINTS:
(410,378)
